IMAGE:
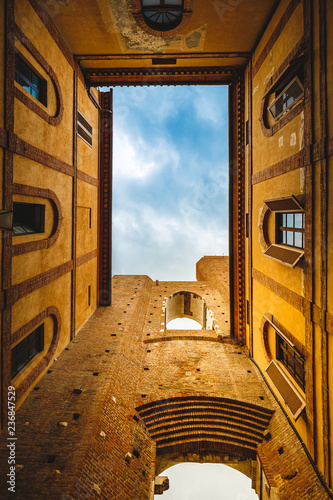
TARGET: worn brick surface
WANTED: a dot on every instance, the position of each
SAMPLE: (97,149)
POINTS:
(138,398)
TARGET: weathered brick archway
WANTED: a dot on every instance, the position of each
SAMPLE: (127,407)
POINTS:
(128,399)
(205,429)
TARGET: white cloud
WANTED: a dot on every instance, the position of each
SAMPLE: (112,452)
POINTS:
(161,245)
(163,158)
(137,158)
(206,107)
(158,104)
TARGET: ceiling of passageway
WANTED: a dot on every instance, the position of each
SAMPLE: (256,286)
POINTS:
(220,32)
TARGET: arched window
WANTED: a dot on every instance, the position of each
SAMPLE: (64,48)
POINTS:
(162,15)
(289,243)
(283,98)
(286,369)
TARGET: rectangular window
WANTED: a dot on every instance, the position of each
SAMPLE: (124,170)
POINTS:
(291,359)
(30,80)
(28,218)
(289,96)
(27,349)
(84,129)
(290,229)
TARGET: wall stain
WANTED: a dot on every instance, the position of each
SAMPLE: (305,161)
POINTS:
(193,40)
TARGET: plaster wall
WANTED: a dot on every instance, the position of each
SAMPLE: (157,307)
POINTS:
(28,125)
(283,185)
(34,174)
(87,221)
(87,156)
(48,160)
(277,168)
(86,292)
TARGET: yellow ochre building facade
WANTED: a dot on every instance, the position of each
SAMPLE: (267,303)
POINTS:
(88,351)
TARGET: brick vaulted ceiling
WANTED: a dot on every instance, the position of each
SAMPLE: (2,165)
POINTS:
(107,37)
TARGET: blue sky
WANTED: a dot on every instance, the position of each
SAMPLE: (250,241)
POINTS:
(170,171)
(170,208)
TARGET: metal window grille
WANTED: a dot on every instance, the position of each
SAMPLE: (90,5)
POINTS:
(162,15)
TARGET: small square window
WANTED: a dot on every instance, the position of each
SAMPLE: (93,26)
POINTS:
(299,221)
(28,218)
(290,220)
(26,350)
(290,238)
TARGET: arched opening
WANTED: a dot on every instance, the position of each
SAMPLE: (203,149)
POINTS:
(189,306)
(183,324)
(215,481)
(205,429)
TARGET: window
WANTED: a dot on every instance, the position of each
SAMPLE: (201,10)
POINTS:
(290,229)
(30,80)
(162,15)
(27,349)
(290,236)
(288,90)
(84,129)
(291,359)
(289,96)
(28,218)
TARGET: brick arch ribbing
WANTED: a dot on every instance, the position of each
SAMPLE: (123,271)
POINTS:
(200,424)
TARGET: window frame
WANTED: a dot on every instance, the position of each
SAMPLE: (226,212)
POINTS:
(34,346)
(280,229)
(280,252)
(163,8)
(287,354)
(40,88)
(283,91)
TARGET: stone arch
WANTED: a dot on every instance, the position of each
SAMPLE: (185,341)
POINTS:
(204,428)
(185,304)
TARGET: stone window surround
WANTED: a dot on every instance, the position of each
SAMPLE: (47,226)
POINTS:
(140,20)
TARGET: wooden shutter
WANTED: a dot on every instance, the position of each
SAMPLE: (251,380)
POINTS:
(84,129)
(288,392)
(289,256)
(284,204)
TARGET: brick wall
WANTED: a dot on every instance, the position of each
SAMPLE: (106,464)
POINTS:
(127,399)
